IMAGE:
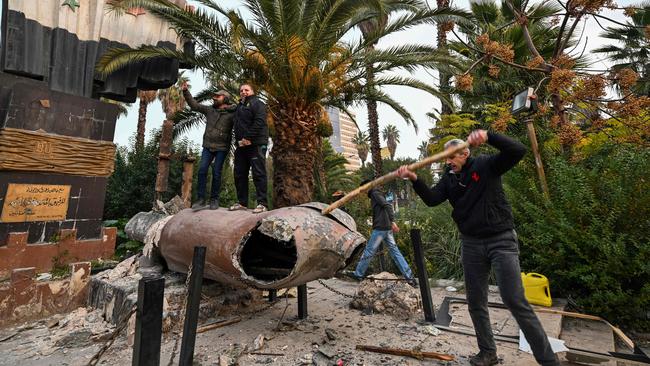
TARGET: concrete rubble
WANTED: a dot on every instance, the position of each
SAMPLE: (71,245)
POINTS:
(386,295)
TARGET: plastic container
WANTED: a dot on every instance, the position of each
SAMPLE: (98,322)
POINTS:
(537,289)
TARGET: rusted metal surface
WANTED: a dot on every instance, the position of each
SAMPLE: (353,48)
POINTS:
(275,249)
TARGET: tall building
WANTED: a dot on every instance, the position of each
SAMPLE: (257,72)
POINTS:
(341,140)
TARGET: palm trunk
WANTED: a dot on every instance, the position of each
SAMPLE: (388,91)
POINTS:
(373,128)
(295,146)
(163,158)
(142,120)
(445,78)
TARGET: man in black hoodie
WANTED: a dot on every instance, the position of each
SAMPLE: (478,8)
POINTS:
(252,136)
(383,227)
(484,218)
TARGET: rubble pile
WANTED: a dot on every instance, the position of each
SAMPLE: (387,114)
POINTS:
(382,294)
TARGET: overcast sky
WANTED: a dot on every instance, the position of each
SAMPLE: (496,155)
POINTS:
(418,103)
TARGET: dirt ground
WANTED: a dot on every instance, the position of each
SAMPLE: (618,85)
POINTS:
(330,333)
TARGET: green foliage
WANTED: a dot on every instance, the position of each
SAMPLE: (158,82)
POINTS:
(131,187)
(451,126)
(441,243)
(591,238)
(337,178)
(124,247)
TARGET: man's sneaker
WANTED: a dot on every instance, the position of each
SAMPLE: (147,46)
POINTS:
(484,358)
(214,204)
(237,207)
(259,209)
(413,282)
(350,274)
(199,205)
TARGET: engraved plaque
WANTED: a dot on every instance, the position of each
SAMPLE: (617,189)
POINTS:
(35,202)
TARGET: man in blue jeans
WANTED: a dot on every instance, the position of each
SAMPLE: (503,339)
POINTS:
(217,140)
(484,218)
(383,227)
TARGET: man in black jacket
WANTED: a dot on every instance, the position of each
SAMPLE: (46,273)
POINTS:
(252,136)
(217,139)
(484,218)
(383,227)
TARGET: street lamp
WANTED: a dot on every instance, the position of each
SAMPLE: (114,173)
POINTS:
(525,103)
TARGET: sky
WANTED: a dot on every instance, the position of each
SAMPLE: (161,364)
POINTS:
(418,103)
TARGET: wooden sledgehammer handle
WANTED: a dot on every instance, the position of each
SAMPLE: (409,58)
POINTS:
(390,176)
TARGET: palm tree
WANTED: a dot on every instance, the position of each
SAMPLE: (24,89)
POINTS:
(298,57)
(368,28)
(172,101)
(146,97)
(634,49)
(361,142)
(423,149)
(391,136)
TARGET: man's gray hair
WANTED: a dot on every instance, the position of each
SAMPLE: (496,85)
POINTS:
(455,142)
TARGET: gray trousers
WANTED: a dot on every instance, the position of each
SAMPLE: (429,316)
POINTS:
(501,252)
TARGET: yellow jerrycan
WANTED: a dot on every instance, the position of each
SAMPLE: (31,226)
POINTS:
(536,288)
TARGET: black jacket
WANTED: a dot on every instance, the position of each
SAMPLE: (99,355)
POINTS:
(382,211)
(480,208)
(218,124)
(250,121)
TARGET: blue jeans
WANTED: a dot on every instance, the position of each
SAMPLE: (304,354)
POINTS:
(207,156)
(373,243)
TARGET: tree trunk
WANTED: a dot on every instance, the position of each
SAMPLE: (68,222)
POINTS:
(163,158)
(295,146)
(445,78)
(142,120)
(373,128)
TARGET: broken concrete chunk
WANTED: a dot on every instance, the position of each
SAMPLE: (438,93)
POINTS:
(258,343)
(276,228)
(385,296)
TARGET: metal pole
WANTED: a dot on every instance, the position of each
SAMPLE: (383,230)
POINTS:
(538,159)
(148,322)
(302,301)
(192,307)
(423,277)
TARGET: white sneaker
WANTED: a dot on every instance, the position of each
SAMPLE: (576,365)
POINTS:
(259,209)
(237,207)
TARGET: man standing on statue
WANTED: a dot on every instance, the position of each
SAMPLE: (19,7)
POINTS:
(484,218)
(217,140)
(252,137)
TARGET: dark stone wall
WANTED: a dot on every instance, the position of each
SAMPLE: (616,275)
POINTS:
(68,115)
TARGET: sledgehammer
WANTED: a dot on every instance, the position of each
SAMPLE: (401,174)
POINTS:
(391,176)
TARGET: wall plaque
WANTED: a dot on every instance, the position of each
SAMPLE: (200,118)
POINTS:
(35,202)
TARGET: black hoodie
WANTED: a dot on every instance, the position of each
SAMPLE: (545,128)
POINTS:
(480,208)
(250,121)
(382,211)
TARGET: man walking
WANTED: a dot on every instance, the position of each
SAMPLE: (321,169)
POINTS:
(383,227)
(252,136)
(217,139)
(484,218)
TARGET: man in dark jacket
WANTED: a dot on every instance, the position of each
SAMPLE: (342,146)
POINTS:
(484,218)
(217,139)
(252,136)
(383,227)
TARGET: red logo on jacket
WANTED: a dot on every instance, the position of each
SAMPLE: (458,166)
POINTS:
(475,177)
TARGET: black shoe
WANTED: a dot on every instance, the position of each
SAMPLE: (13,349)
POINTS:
(413,282)
(484,358)
(214,204)
(199,205)
(350,274)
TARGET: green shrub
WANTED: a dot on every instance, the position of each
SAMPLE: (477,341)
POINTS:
(591,238)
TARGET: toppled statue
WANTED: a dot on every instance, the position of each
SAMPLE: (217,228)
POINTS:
(270,250)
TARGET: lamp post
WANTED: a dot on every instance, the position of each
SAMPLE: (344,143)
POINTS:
(525,102)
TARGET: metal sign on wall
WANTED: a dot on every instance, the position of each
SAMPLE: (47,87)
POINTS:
(35,202)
